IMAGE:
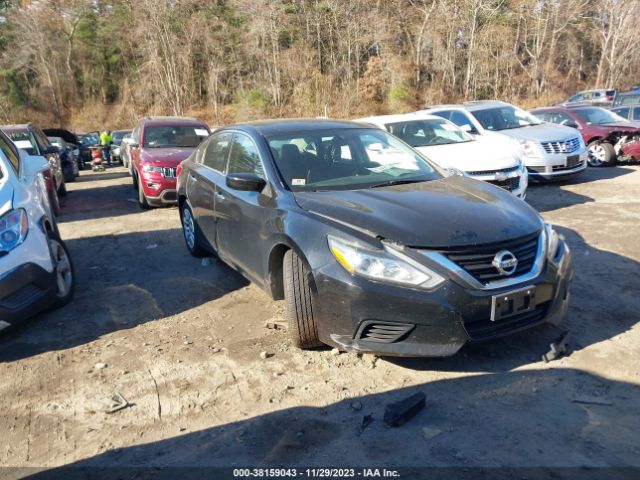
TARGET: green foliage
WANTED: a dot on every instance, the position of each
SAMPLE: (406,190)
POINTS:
(400,93)
(253,98)
(14,87)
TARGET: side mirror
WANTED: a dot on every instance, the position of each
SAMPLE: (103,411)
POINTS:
(246,182)
(32,165)
(570,123)
(133,144)
(468,129)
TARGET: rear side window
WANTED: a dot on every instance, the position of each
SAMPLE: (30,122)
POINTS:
(25,141)
(630,100)
(636,113)
(244,156)
(217,150)
(10,154)
(623,112)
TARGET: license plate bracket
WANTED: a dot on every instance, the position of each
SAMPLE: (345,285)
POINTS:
(513,303)
(572,160)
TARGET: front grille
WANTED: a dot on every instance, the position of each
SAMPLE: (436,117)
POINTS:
(169,172)
(572,162)
(373,331)
(485,329)
(21,298)
(494,172)
(564,146)
(509,184)
(477,260)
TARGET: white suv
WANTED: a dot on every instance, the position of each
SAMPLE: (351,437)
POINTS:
(495,161)
(35,267)
(550,152)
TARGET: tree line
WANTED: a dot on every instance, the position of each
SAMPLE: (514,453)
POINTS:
(88,63)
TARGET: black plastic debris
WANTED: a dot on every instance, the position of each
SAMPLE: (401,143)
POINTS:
(399,413)
(558,348)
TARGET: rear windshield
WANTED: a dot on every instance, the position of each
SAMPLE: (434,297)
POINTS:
(504,118)
(424,133)
(26,141)
(117,137)
(597,116)
(347,159)
(88,140)
(166,136)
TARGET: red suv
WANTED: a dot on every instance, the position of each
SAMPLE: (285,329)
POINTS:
(159,145)
(609,136)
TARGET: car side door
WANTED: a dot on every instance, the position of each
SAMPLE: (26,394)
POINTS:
(241,215)
(205,174)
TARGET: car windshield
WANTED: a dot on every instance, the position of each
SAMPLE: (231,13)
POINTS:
(423,133)
(117,137)
(25,141)
(598,116)
(504,118)
(90,139)
(347,159)
(165,136)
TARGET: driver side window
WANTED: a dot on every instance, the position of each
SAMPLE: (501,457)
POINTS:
(244,157)
(216,151)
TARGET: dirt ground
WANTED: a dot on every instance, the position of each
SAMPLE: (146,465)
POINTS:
(181,339)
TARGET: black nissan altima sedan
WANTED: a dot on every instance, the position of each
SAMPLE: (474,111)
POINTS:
(372,247)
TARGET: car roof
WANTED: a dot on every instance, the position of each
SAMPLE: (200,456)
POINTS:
(172,121)
(292,125)
(401,117)
(471,105)
(16,127)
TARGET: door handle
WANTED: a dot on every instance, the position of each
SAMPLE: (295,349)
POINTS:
(219,196)
(192,177)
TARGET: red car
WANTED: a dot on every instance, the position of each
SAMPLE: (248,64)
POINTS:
(610,137)
(159,144)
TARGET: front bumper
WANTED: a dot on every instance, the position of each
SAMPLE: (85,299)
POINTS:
(515,182)
(362,316)
(24,292)
(158,189)
(554,167)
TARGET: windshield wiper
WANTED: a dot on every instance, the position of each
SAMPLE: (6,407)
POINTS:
(398,181)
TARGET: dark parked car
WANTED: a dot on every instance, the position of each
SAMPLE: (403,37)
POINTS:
(33,141)
(159,145)
(630,112)
(87,140)
(627,98)
(373,248)
(609,137)
(599,97)
(70,138)
(68,160)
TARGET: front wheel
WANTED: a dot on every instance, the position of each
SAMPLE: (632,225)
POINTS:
(62,189)
(300,301)
(63,270)
(192,233)
(142,198)
(600,154)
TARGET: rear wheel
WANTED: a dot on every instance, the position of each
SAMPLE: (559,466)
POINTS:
(142,198)
(55,203)
(62,189)
(300,302)
(600,154)
(192,233)
(63,270)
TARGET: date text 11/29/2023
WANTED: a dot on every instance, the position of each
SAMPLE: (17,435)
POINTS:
(315,473)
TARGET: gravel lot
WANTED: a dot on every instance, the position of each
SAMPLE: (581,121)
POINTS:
(182,341)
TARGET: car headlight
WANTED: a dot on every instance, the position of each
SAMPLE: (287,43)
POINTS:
(529,148)
(151,168)
(553,241)
(386,265)
(13,229)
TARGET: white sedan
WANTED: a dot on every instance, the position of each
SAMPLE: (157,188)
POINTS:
(492,160)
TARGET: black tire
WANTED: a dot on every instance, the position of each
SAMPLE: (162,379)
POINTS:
(62,189)
(192,233)
(300,302)
(63,270)
(142,198)
(134,180)
(55,203)
(601,154)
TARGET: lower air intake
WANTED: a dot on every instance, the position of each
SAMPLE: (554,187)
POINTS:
(373,331)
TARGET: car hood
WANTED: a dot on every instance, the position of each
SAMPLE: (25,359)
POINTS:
(545,132)
(6,196)
(172,156)
(621,125)
(454,211)
(471,156)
